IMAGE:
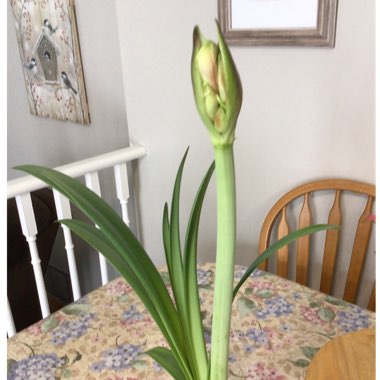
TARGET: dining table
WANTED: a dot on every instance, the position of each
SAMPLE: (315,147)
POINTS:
(277,327)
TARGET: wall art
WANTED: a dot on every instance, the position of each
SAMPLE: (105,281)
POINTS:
(278,22)
(49,49)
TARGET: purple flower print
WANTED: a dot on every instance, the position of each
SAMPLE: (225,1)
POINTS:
(274,307)
(352,318)
(117,358)
(72,328)
(132,314)
(41,367)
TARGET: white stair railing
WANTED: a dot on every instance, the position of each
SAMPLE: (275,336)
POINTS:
(63,208)
(92,182)
(21,188)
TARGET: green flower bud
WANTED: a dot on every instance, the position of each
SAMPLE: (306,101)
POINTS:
(212,103)
(207,63)
(217,88)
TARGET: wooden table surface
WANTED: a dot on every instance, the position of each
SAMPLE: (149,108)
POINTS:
(350,356)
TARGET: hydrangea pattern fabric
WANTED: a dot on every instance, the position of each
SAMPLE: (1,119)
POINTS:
(277,328)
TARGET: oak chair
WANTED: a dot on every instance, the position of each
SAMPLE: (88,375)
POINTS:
(276,226)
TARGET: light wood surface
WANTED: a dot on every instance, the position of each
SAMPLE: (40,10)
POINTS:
(363,224)
(350,356)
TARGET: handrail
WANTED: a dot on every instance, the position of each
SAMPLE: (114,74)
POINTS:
(29,183)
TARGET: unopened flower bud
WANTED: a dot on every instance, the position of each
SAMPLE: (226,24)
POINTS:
(207,59)
(217,87)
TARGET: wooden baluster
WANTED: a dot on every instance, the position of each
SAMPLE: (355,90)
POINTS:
(359,250)
(331,246)
(62,206)
(303,243)
(122,189)
(29,230)
(283,253)
(11,329)
(92,182)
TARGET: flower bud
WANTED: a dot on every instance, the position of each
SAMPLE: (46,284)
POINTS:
(217,87)
(207,63)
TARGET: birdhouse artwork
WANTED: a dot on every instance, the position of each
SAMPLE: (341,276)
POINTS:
(48,42)
(47,53)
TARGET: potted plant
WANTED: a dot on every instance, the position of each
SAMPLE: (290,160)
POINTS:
(218,96)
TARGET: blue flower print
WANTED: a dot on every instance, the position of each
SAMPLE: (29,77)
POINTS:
(71,329)
(240,272)
(37,367)
(352,318)
(205,277)
(132,314)
(275,307)
(256,338)
(117,358)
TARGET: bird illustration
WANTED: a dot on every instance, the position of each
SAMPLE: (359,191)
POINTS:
(67,82)
(31,65)
(48,26)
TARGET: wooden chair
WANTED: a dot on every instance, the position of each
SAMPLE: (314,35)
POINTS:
(277,216)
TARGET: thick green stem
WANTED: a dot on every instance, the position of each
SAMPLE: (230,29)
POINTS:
(225,261)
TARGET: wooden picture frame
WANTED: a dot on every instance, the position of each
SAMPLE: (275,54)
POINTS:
(48,42)
(240,27)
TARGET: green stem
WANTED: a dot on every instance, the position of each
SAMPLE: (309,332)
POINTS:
(225,261)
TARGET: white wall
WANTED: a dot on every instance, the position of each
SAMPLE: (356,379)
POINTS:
(307,112)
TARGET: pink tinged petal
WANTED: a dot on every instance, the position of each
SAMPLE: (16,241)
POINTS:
(207,58)
(219,120)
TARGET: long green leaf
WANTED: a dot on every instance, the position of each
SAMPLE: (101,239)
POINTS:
(166,238)
(176,274)
(124,242)
(165,359)
(176,270)
(191,279)
(279,244)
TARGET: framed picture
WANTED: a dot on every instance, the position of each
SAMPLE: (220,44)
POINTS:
(278,22)
(49,49)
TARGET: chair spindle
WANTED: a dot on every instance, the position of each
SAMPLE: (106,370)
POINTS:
(303,243)
(372,299)
(358,252)
(331,246)
(283,253)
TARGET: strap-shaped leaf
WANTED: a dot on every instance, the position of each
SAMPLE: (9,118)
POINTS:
(176,270)
(191,280)
(166,359)
(124,242)
(277,245)
(166,238)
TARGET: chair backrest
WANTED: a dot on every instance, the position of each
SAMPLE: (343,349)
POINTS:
(21,189)
(277,217)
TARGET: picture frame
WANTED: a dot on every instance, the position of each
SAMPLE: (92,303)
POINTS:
(278,22)
(48,42)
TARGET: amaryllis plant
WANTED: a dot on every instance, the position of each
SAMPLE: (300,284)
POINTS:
(218,97)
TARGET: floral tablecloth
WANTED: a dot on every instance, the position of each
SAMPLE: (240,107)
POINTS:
(277,327)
